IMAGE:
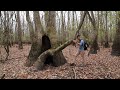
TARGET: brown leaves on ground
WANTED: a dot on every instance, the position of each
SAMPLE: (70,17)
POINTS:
(100,66)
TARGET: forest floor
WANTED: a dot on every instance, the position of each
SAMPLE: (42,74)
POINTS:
(103,66)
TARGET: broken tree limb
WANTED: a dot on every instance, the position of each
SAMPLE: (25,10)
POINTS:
(41,59)
(81,23)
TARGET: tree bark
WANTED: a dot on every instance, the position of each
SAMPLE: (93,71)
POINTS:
(94,46)
(31,31)
(63,28)
(106,33)
(19,31)
(6,36)
(36,48)
(116,43)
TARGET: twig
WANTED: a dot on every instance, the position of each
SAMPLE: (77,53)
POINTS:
(17,58)
(3,76)
(69,51)
(74,73)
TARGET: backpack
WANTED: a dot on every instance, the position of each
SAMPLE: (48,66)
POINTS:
(85,45)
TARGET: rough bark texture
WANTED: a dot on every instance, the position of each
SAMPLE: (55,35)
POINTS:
(94,46)
(38,26)
(116,42)
(6,35)
(36,48)
(106,34)
(19,31)
(34,53)
(31,31)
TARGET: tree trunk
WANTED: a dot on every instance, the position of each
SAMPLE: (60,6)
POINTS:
(68,25)
(31,31)
(101,28)
(36,48)
(45,42)
(6,35)
(106,33)
(38,26)
(62,28)
(19,32)
(94,46)
(116,42)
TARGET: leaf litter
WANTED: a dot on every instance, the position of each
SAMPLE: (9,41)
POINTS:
(103,66)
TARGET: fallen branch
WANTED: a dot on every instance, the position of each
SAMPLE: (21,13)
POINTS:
(15,58)
(74,73)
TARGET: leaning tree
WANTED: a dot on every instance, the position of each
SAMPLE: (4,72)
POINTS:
(116,43)
(94,44)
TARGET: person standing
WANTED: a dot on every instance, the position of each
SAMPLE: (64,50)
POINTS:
(81,51)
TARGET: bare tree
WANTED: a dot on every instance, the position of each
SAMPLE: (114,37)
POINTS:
(19,31)
(6,36)
(106,32)
(63,28)
(116,43)
(94,45)
(38,26)
(31,31)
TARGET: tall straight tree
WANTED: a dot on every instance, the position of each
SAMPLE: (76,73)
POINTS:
(62,28)
(6,36)
(106,32)
(36,49)
(38,26)
(19,31)
(94,45)
(68,24)
(31,31)
(116,43)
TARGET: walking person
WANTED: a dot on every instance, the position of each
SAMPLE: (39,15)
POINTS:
(81,50)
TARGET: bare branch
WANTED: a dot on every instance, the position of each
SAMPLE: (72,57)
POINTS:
(81,23)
